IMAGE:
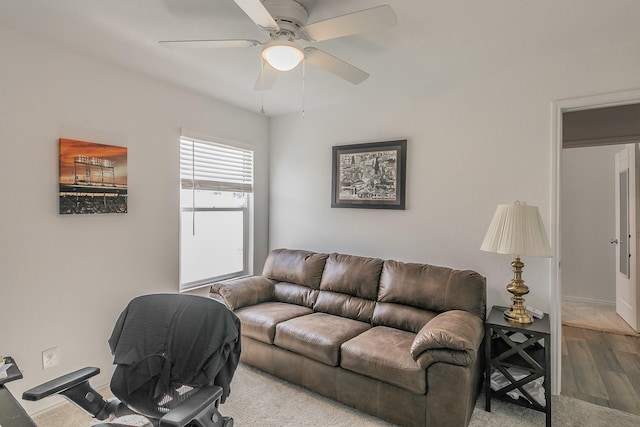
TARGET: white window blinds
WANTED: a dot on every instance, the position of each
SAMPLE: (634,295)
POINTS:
(215,167)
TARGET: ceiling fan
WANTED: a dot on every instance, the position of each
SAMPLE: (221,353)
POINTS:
(285,22)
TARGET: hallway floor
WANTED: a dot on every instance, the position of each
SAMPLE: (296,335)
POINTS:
(601,368)
(600,357)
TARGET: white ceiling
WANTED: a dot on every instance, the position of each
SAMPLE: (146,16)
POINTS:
(436,43)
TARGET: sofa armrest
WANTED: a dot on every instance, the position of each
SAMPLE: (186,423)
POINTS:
(244,291)
(453,337)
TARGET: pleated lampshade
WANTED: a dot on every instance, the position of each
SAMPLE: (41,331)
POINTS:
(517,229)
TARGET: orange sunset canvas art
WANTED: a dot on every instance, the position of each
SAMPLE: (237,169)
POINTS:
(92,178)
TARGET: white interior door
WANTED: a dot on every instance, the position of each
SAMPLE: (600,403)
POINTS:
(627,234)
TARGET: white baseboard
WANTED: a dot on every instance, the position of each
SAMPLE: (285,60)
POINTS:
(593,301)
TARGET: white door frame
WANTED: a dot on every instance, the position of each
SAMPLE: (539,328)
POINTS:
(558,108)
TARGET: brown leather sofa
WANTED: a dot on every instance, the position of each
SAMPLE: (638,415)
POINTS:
(397,340)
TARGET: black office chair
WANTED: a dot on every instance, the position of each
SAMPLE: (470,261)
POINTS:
(175,355)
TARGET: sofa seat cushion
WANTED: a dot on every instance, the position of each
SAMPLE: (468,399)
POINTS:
(259,321)
(318,336)
(384,353)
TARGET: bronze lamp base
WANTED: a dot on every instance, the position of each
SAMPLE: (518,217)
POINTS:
(517,312)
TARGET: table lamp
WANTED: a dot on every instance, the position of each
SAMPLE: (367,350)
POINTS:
(517,229)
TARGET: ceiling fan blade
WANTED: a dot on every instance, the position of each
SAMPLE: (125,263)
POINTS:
(207,44)
(267,78)
(334,65)
(353,23)
(258,14)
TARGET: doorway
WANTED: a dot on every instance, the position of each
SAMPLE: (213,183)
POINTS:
(602,294)
(590,239)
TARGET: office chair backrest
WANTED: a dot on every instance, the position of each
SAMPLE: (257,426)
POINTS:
(165,346)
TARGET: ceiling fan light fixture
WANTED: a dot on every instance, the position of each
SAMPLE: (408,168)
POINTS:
(283,55)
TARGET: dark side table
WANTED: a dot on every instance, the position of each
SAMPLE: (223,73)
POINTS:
(523,349)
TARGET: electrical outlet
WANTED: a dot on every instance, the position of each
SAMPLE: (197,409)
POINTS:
(50,358)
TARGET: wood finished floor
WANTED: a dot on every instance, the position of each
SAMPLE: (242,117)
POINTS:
(601,368)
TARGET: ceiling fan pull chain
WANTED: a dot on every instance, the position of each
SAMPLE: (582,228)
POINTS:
(304,69)
(262,85)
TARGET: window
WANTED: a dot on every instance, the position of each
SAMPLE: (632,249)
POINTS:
(215,195)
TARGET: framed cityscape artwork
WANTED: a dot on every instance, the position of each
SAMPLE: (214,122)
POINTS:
(370,176)
(92,178)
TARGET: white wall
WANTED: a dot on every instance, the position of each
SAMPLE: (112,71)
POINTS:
(65,279)
(472,145)
(588,223)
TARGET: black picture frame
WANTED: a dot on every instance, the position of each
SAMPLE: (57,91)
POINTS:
(370,175)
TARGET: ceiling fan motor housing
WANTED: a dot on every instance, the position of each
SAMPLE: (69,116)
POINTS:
(290,16)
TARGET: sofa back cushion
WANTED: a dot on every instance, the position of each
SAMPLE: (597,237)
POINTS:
(349,286)
(295,266)
(352,275)
(432,288)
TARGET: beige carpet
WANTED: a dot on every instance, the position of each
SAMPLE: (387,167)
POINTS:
(595,316)
(261,400)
